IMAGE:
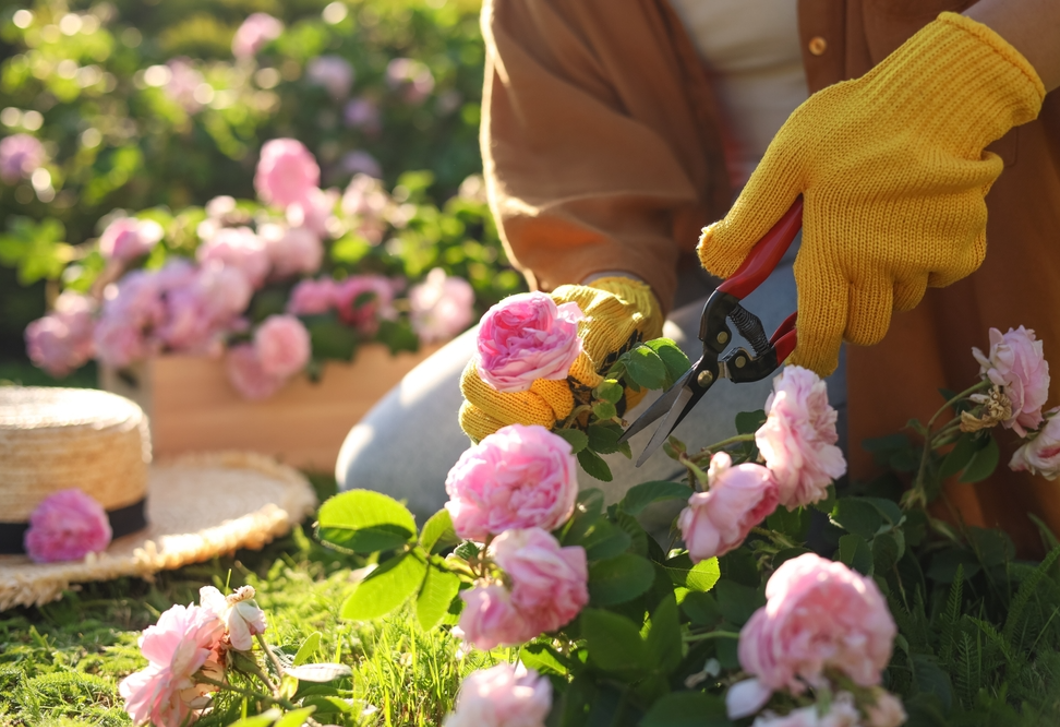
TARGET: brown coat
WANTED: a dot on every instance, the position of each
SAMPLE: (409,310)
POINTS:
(603,151)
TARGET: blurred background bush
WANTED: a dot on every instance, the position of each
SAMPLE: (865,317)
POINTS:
(161,105)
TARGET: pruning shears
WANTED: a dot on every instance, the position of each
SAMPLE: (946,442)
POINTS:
(739,365)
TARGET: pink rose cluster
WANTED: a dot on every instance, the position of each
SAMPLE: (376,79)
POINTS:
(186,641)
(281,347)
(62,340)
(180,307)
(545,588)
(797,442)
(128,238)
(518,477)
(441,306)
(502,696)
(1015,362)
(361,301)
(66,525)
(257,30)
(527,337)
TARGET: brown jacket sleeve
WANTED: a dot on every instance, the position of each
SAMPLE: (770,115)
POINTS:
(599,139)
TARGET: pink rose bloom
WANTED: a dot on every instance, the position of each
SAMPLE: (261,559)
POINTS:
(201,308)
(66,525)
(719,520)
(363,300)
(282,346)
(502,696)
(1040,454)
(367,202)
(886,712)
(184,81)
(798,439)
(240,248)
(128,238)
(518,477)
(334,73)
(441,306)
(315,212)
(746,697)
(413,79)
(527,337)
(286,172)
(132,309)
(312,297)
(185,640)
(292,250)
(119,345)
(242,617)
(62,340)
(819,615)
(363,113)
(548,582)
(20,156)
(490,620)
(257,30)
(1015,362)
(842,713)
(247,375)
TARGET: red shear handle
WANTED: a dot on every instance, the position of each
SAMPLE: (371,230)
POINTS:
(765,255)
(784,338)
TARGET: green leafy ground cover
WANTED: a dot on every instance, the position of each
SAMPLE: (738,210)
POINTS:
(61,664)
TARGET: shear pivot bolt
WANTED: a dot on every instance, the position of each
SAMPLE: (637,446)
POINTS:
(723,337)
(740,362)
(704,379)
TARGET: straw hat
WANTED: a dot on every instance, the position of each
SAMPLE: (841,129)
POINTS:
(164,515)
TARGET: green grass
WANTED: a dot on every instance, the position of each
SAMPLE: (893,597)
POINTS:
(61,664)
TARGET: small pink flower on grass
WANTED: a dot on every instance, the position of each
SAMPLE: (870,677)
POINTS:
(819,615)
(1015,362)
(67,525)
(1040,454)
(242,617)
(490,620)
(282,345)
(441,306)
(286,172)
(502,696)
(517,477)
(128,238)
(549,582)
(798,438)
(185,640)
(246,374)
(527,337)
(719,520)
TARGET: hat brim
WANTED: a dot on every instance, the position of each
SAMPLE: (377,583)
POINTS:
(198,506)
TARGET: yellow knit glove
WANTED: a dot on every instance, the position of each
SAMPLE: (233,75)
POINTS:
(893,174)
(619,313)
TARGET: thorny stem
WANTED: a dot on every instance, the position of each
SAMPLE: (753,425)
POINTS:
(272,658)
(573,416)
(286,704)
(708,451)
(778,538)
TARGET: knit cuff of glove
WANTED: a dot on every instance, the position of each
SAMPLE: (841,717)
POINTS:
(976,84)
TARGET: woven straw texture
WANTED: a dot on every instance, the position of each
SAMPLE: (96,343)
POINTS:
(55,439)
(198,506)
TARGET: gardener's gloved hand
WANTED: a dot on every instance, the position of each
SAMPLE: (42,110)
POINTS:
(619,313)
(893,174)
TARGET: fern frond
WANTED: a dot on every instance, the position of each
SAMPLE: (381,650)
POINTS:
(950,617)
(1023,597)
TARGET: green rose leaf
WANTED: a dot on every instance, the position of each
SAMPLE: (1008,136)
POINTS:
(983,462)
(698,577)
(603,438)
(364,521)
(385,588)
(614,642)
(673,358)
(737,602)
(855,552)
(640,496)
(604,540)
(609,391)
(330,338)
(687,709)
(440,587)
(857,516)
(604,410)
(595,465)
(749,422)
(318,672)
(438,533)
(576,438)
(646,368)
(308,648)
(664,638)
(619,579)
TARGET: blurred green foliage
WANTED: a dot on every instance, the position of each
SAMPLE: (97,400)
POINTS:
(143,105)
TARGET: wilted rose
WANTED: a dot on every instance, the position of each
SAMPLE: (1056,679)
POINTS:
(1040,454)
(719,520)
(527,337)
(798,439)
(1015,362)
(242,617)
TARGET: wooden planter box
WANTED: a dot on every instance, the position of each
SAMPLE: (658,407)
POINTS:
(193,408)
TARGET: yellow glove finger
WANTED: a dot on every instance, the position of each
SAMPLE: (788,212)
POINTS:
(521,407)
(823,296)
(869,311)
(476,423)
(909,293)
